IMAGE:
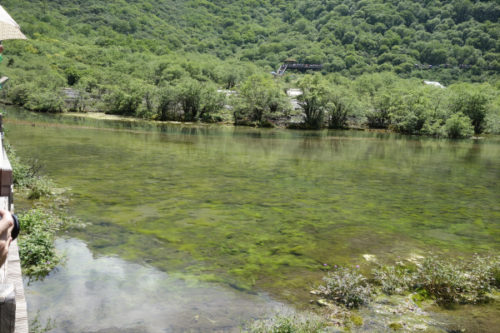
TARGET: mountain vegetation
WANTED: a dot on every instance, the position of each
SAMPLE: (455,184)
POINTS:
(169,60)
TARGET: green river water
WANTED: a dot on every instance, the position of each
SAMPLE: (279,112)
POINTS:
(203,227)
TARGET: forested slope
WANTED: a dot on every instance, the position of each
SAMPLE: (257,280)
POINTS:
(106,48)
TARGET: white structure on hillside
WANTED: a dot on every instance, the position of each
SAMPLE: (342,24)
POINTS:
(434,84)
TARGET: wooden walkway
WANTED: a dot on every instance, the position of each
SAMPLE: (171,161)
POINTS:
(15,276)
(13,314)
(10,274)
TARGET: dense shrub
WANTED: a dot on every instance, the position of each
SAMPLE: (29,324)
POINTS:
(293,323)
(36,243)
(473,105)
(315,99)
(189,101)
(168,105)
(19,93)
(394,279)
(338,109)
(213,102)
(259,99)
(346,286)
(44,101)
(444,280)
(456,282)
(122,102)
(458,126)
(190,94)
(27,176)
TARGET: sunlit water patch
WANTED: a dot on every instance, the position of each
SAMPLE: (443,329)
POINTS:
(108,294)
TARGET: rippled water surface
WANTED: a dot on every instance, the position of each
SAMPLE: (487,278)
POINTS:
(259,211)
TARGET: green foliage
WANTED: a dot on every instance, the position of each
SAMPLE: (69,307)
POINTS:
(168,107)
(165,60)
(36,243)
(116,42)
(295,323)
(122,102)
(346,286)
(190,95)
(338,109)
(36,325)
(457,282)
(315,97)
(473,105)
(444,280)
(40,225)
(379,116)
(26,176)
(394,279)
(190,100)
(259,100)
(44,101)
(458,126)
(40,187)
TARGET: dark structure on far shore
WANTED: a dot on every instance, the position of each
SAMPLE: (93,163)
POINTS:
(293,64)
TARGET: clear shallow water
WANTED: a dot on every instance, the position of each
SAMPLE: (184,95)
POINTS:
(108,294)
(257,210)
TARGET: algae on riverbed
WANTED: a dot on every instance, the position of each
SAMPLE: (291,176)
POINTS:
(266,209)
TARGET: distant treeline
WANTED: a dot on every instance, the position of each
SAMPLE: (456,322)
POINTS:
(152,58)
(382,101)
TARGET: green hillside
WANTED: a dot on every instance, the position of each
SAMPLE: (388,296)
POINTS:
(347,36)
(126,56)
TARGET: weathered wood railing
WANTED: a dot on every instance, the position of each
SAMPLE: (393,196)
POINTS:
(13,311)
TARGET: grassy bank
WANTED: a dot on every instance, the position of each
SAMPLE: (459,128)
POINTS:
(42,222)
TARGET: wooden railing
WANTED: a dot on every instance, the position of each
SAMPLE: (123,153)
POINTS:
(13,311)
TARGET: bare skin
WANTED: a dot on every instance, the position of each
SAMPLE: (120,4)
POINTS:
(6,226)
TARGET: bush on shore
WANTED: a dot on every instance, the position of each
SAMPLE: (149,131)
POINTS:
(259,101)
(346,286)
(36,243)
(289,323)
(445,281)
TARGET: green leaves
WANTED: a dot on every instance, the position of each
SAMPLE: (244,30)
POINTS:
(260,98)
(36,243)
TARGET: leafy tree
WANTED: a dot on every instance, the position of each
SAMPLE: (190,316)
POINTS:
(259,98)
(190,98)
(314,100)
(473,105)
(168,105)
(338,110)
(458,126)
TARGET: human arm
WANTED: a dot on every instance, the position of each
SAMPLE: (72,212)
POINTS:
(6,226)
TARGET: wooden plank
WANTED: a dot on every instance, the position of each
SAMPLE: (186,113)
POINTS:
(14,276)
(7,308)
(7,293)
(13,309)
